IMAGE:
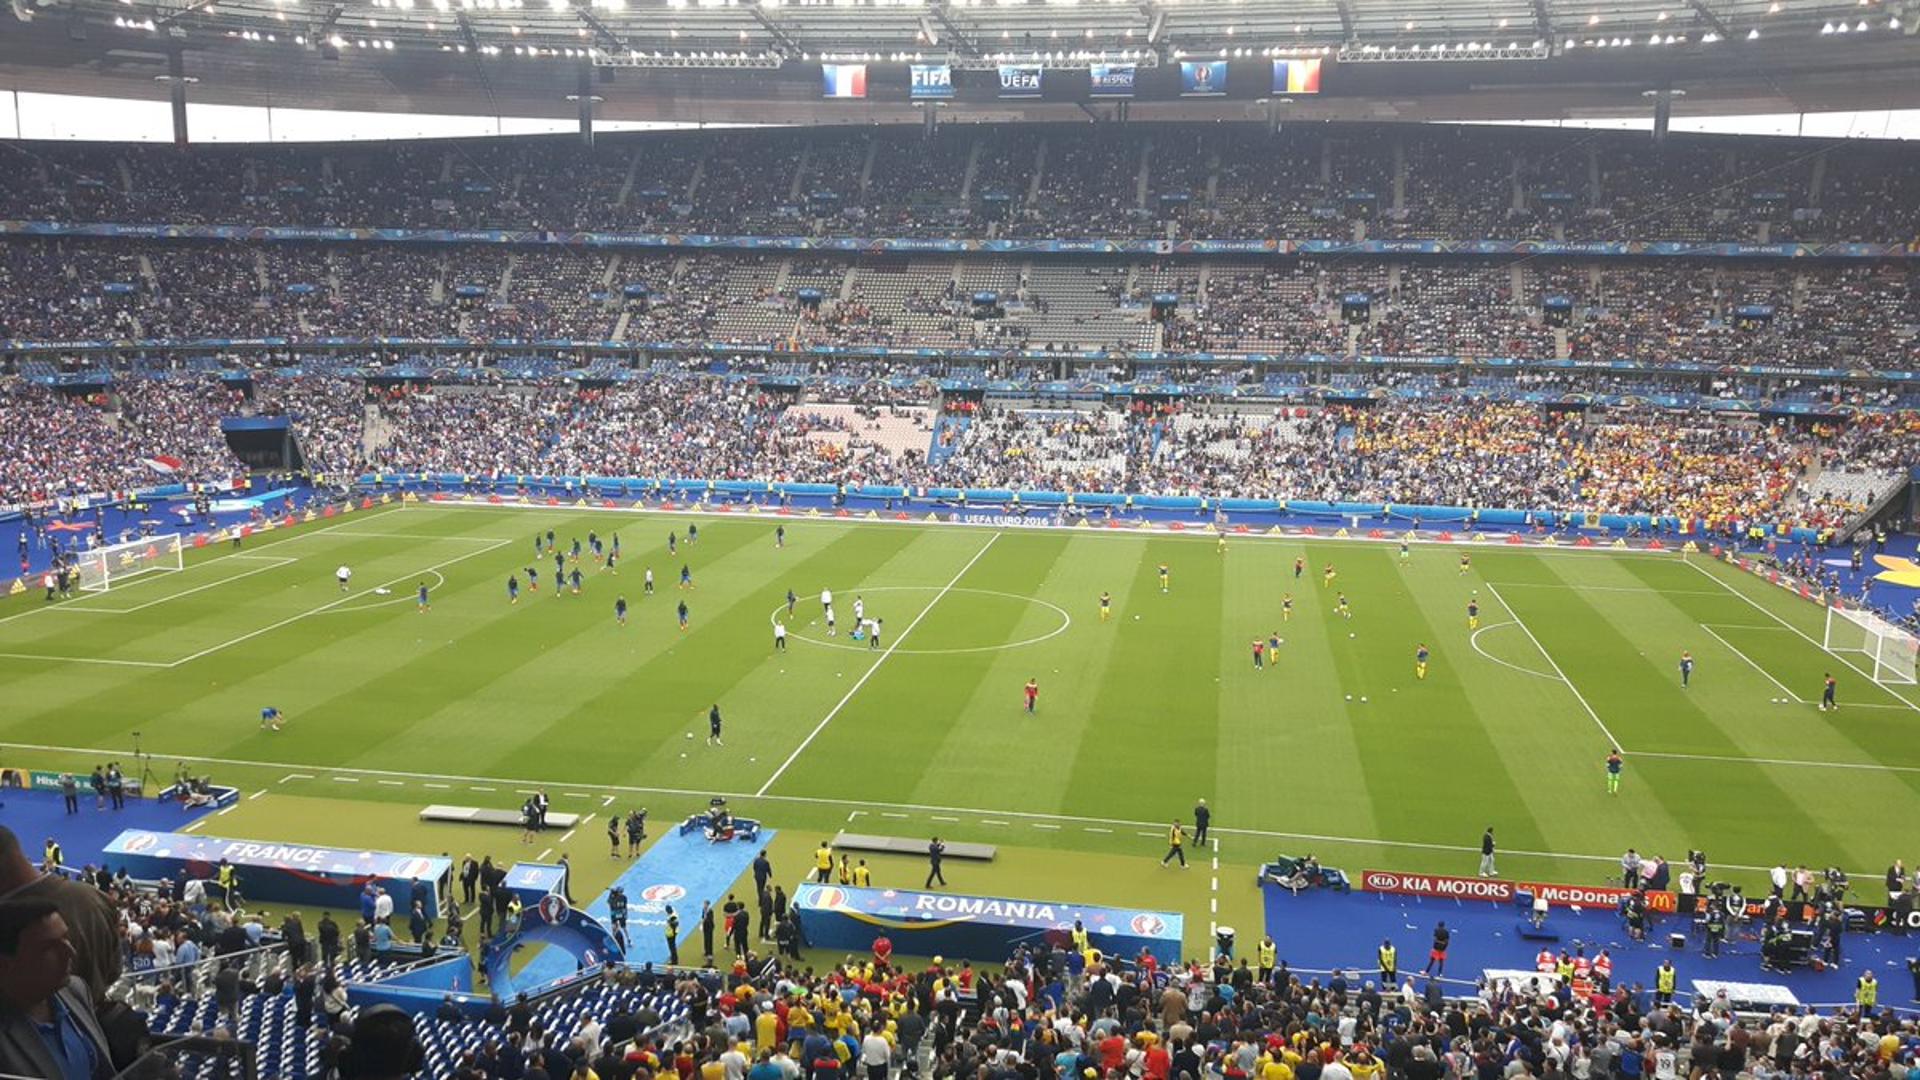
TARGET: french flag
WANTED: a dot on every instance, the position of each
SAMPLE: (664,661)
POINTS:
(844,80)
(163,463)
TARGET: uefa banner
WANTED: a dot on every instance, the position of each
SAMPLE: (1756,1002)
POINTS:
(1111,80)
(1020,80)
(1500,891)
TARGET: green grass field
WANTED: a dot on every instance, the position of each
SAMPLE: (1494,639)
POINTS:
(477,699)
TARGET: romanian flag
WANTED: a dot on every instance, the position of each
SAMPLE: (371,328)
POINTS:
(1296,76)
(844,80)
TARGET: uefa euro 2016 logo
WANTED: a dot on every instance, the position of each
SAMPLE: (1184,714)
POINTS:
(554,909)
(1148,924)
(662,894)
(1202,76)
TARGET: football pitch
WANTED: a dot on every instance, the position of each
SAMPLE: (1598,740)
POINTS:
(1332,747)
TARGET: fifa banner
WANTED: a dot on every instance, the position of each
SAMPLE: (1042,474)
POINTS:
(1498,891)
(982,928)
(1020,80)
(844,80)
(1203,78)
(1111,80)
(284,873)
(1296,76)
(931,82)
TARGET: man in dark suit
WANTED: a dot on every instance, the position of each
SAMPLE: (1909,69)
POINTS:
(39,993)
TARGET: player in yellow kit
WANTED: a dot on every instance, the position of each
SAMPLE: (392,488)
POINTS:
(1163,577)
(1420,656)
(1286,607)
(1466,562)
(1327,575)
(1341,609)
(1473,614)
(1106,606)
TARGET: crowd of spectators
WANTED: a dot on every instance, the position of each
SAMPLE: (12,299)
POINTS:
(60,444)
(1434,440)
(1217,181)
(1653,312)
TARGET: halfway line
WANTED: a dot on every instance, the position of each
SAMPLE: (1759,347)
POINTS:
(1554,664)
(884,654)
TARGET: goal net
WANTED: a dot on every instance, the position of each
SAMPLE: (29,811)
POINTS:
(102,568)
(1892,651)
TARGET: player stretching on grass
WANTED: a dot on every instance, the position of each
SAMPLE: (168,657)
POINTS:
(270,719)
(1614,765)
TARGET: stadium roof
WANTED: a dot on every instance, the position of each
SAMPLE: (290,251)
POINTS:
(758,60)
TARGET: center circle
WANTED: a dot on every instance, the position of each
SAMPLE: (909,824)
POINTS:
(796,634)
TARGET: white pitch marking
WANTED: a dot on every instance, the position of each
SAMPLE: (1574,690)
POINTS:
(566,836)
(256,794)
(991,821)
(296,776)
(1076,819)
(345,779)
(1044,825)
(543,855)
(1791,696)
(393,783)
(1555,665)
(1762,609)
(269,628)
(884,655)
(1473,639)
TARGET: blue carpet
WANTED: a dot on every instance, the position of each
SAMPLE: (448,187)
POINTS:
(1320,930)
(681,871)
(36,815)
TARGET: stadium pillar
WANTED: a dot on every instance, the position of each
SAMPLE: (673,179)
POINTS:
(584,97)
(177,93)
(1662,112)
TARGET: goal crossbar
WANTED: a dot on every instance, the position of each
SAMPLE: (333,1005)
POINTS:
(1893,652)
(102,568)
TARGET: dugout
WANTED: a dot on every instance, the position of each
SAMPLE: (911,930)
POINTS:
(284,873)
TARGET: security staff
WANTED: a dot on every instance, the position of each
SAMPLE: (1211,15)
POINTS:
(1269,955)
(1389,964)
(1716,926)
(1866,991)
(673,937)
(1664,979)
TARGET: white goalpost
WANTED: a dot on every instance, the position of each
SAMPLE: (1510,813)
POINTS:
(1892,651)
(102,568)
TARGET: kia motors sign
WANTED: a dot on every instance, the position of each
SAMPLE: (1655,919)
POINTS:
(1452,888)
(1497,891)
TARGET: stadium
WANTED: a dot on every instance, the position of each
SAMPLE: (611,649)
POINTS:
(1170,540)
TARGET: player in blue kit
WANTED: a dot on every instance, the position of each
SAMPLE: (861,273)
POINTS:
(574,580)
(533,580)
(513,589)
(683,615)
(270,719)
(620,611)
(686,575)
(424,607)
(1686,668)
